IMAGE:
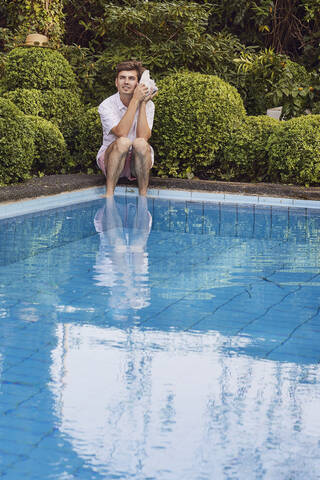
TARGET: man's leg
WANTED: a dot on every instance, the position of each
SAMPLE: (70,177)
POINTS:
(114,160)
(142,163)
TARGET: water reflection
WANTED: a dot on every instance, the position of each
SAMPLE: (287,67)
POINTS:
(172,405)
(122,261)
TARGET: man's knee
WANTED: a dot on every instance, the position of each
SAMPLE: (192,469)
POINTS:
(122,144)
(141,146)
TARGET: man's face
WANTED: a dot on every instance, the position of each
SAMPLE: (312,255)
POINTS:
(126,82)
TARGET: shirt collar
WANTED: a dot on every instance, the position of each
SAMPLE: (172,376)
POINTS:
(120,105)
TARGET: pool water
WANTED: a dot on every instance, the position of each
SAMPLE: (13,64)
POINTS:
(157,339)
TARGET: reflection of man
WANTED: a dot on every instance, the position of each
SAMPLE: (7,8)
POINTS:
(127,119)
(122,261)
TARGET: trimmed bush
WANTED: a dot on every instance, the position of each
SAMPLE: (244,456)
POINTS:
(244,156)
(40,68)
(29,101)
(50,146)
(88,141)
(8,109)
(64,109)
(194,115)
(61,107)
(16,144)
(294,151)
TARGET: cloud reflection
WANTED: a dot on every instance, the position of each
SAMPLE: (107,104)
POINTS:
(172,405)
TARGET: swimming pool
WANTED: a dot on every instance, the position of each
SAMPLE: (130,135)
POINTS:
(160,339)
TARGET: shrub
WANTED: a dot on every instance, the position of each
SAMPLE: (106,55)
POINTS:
(316,108)
(269,79)
(50,146)
(64,109)
(29,101)
(83,63)
(194,114)
(61,107)
(244,156)
(294,151)
(8,109)
(88,141)
(16,144)
(40,68)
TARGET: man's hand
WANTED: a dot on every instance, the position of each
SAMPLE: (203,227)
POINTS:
(150,97)
(140,92)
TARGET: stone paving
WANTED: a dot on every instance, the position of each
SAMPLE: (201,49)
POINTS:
(54,184)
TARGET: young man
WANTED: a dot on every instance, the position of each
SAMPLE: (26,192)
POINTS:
(127,119)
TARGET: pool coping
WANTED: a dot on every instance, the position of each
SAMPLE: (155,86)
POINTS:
(61,190)
(53,184)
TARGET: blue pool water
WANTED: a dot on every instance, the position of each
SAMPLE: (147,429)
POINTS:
(157,339)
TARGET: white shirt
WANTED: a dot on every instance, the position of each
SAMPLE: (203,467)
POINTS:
(111,110)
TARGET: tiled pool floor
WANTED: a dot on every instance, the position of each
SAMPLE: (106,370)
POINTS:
(182,342)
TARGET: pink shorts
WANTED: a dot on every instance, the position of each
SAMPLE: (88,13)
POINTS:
(126,172)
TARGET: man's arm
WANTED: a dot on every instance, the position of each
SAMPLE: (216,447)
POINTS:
(125,124)
(143,130)
(145,121)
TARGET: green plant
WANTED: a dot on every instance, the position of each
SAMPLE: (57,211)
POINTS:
(294,151)
(50,147)
(59,106)
(194,114)
(87,141)
(17,147)
(244,154)
(64,109)
(268,79)
(40,68)
(153,22)
(316,108)
(29,101)
(36,16)
(83,63)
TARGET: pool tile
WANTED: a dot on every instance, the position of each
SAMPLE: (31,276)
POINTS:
(286,356)
(197,281)
(175,194)
(206,196)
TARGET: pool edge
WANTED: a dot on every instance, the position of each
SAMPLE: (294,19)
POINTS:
(42,203)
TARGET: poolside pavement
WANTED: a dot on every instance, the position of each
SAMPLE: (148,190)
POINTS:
(54,184)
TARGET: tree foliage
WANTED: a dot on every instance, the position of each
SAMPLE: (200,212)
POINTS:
(35,16)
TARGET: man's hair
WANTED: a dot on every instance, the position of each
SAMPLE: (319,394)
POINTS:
(130,65)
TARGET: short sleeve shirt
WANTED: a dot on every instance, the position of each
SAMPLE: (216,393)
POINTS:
(111,111)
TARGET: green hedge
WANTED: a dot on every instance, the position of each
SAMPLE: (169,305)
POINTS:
(88,140)
(29,101)
(50,146)
(194,115)
(61,107)
(40,68)
(294,151)
(244,156)
(17,148)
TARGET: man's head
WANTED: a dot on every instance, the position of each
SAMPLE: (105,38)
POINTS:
(128,76)
(129,65)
